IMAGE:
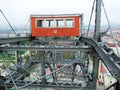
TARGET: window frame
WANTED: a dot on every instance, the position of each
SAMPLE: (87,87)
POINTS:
(36,24)
(55,22)
(73,24)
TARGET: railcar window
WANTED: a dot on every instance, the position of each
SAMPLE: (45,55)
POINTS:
(50,23)
(69,23)
(60,23)
(40,23)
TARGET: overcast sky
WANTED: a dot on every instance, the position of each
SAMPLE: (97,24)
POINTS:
(18,11)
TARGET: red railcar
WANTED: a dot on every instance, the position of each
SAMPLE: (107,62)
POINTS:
(55,25)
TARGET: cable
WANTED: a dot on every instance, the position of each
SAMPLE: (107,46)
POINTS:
(26,27)
(8,22)
(91,17)
(109,28)
(27,23)
(106,16)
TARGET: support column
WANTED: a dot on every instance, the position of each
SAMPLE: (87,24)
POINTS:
(97,20)
(94,75)
(43,72)
(19,58)
(95,69)
(73,73)
(41,56)
(54,74)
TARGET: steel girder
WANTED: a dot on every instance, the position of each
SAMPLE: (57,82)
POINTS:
(13,40)
(111,66)
(47,48)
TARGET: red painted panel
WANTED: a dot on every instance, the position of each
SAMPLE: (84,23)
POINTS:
(42,31)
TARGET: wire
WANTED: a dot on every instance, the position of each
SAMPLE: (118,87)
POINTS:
(106,16)
(8,22)
(91,17)
(109,28)
(26,26)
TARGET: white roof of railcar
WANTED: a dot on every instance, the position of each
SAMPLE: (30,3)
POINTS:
(55,15)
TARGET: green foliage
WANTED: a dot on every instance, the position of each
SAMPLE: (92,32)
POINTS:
(68,56)
(33,53)
(27,57)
